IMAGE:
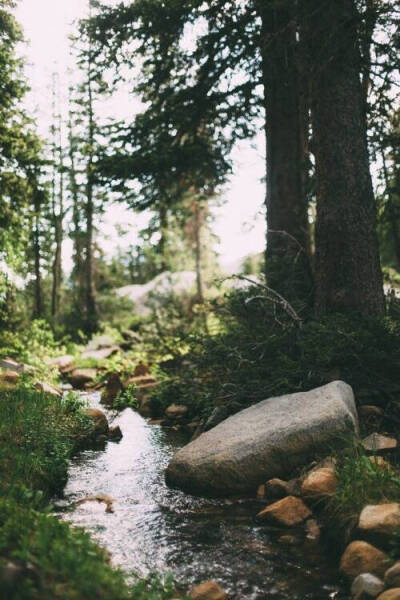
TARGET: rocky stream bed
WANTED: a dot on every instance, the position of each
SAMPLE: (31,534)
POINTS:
(154,528)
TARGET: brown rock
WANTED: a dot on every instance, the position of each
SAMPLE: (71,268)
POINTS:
(99,419)
(393,594)
(380,462)
(112,389)
(288,512)
(176,411)
(319,483)
(379,443)
(276,488)
(9,376)
(380,519)
(392,576)
(209,590)
(81,377)
(361,557)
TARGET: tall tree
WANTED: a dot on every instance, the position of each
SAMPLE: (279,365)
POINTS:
(347,272)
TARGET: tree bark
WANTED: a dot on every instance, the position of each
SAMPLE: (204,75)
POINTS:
(91,315)
(38,300)
(348,273)
(287,261)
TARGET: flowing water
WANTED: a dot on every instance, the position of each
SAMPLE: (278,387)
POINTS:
(154,528)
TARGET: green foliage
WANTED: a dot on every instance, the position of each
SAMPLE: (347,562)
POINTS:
(260,352)
(361,481)
(64,562)
(38,434)
(126,399)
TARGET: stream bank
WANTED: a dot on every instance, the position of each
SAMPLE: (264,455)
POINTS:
(154,528)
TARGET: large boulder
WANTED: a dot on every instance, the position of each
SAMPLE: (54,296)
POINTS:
(266,440)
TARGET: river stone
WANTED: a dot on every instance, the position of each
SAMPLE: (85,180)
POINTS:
(80,377)
(267,440)
(99,421)
(392,575)
(209,590)
(320,483)
(48,389)
(379,443)
(366,585)
(381,519)
(288,512)
(393,594)
(361,557)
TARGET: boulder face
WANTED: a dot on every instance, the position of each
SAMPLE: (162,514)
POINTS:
(264,441)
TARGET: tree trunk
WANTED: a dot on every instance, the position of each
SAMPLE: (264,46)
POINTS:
(348,274)
(38,300)
(91,316)
(163,243)
(287,264)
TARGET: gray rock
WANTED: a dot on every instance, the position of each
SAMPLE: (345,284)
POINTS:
(264,441)
(366,585)
(100,354)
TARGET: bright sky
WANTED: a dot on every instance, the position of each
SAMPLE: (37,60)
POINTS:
(239,223)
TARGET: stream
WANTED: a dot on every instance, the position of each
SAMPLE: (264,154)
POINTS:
(158,529)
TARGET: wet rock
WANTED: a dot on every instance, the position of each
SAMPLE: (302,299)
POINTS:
(145,405)
(320,483)
(276,488)
(267,440)
(115,433)
(99,421)
(63,363)
(290,540)
(209,590)
(288,512)
(81,377)
(366,585)
(381,519)
(393,594)
(176,411)
(392,576)
(379,443)
(361,557)
(112,389)
(46,388)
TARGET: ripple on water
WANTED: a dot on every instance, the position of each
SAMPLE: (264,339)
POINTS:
(154,528)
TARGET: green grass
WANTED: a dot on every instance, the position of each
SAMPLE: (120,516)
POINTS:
(361,482)
(49,559)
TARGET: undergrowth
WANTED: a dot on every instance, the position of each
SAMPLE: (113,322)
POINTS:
(259,352)
(42,558)
(362,480)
